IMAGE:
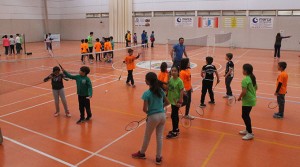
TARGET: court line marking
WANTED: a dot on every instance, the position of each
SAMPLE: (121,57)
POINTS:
(106,146)
(1,116)
(253,127)
(38,151)
(20,70)
(27,99)
(40,69)
(27,86)
(62,142)
(213,150)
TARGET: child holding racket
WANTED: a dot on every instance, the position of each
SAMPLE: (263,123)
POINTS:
(175,96)
(129,61)
(281,87)
(84,91)
(58,90)
(154,102)
(228,75)
(207,74)
(186,77)
(248,97)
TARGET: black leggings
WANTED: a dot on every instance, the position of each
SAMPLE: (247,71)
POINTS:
(175,117)
(277,50)
(12,49)
(246,117)
(130,77)
(188,101)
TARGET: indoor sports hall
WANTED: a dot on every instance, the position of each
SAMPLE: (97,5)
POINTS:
(41,40)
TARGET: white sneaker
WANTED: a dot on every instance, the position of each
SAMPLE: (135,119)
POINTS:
(248,136)
(243,132)
(230,97)
(226,96)
(189,117)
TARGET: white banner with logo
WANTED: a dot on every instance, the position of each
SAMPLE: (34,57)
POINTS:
(261,22)
(184,21)
(142,21)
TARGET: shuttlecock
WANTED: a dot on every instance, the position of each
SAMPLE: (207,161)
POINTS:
(106,91)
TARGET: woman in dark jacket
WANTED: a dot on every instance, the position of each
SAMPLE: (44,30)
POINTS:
(277,45)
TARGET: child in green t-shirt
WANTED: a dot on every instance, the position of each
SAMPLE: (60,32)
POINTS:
(175,96)
(84,91)
(248,97)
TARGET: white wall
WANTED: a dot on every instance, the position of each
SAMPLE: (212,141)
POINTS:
(164,28)
(170,5)
(75,9)
(20,9)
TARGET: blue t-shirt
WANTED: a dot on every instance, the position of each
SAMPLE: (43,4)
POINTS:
(155,103)
(178,49)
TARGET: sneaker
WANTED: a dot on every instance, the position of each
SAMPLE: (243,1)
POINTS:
(138,155)
(158,160)
(128,84)
(80,121)
(202,105)
(172,135)
(248,136)
(226,96)
(211,102)
(230,97)
(277,116)
(56,114)
(133,86)
(189,117)
(88,118)
(177,131)
(243,132)
(68,114)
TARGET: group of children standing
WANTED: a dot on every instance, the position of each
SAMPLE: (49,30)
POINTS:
(177,90)
(103,49)
(10,43)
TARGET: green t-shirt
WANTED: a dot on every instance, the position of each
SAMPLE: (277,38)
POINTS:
(250,97)
(90,41)
(174,88)
(84,84)
(155,103)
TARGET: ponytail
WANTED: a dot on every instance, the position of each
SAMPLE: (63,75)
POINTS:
(249,70)
(151,77)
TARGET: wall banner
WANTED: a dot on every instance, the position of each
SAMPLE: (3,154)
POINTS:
(234,22)
(142,21)
(208,22)
(184,21)
(261,22)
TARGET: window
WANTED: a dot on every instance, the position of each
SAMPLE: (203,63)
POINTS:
(185,13)
(142,14)
(285,13)
(209,13)
(296,13)
(166,13)
(93,15)
(255,13)
(269,13)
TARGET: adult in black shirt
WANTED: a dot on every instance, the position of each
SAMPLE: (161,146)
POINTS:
(277,45)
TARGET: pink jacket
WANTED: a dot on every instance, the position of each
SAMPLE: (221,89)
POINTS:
(5,42)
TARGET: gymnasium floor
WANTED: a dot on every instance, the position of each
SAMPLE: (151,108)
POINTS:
(34,137)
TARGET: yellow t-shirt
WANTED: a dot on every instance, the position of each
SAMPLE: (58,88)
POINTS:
(128,37)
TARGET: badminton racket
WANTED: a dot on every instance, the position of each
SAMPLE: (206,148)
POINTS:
(185,122)
(121,71)
(272,105)
(134,124)
(231,100)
